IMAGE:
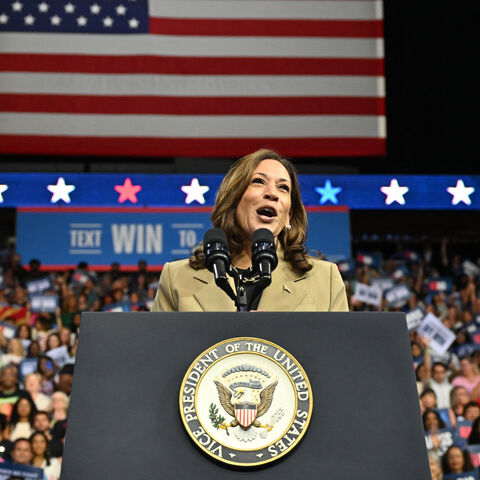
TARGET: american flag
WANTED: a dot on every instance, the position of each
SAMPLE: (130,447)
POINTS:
(192,77)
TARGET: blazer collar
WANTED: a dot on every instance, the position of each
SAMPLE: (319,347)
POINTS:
(284,294)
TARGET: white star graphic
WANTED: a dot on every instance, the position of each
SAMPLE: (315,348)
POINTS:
(69,8)
(95,8)
(195,192)
(43,7)
(3,18)
(394,192)
(61,191)
(29,20)
(133,23)
(3,188)
(17,6)
(55,20)
(121,10)
(461,193)
(81,21)
(107,22)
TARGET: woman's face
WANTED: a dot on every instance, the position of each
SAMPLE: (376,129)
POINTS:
(466,367)
(53,342)
(23,332)
(431,422)
(266,202)
(23,408)
(434,468)
(455,460)
(32,383)
(39,445)
(462,396)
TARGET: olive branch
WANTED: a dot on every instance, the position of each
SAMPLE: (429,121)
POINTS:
(216,419)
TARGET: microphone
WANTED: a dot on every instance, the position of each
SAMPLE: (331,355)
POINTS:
(264,255)
(217,257)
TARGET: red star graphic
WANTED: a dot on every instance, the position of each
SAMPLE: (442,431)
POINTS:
(128,191)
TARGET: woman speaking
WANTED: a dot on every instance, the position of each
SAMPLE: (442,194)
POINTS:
(259,191)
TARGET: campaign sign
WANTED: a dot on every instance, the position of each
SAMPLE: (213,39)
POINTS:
(473,475)
(101,236)
(59,355)
(383,283)
(39,286)
(371,260)
(414,318)
(44,303)
(464,428)
(470,268)
(400,272)
(117,307)
(439,285)
(8,330)
(474,451)
(346,267)
(440,336)
(15,470)
(447,437)
(398,296)
(29,365)
(367,294)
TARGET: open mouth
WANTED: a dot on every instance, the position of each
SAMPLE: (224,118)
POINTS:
(268,212)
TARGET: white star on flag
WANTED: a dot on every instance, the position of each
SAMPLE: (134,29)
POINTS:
(17,6)
(43,7)
(3,189)
(69,8)
(29,20)
(461,193)
(195,192)
(3,19)
(95,8)
(133,23)
(81,21)
(61,191)
(394,192)
(55,20)
(121,10)
(107,21)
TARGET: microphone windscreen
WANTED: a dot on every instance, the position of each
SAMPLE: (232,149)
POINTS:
(263,235)
(215,235)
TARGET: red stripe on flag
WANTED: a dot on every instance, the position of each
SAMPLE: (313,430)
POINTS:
(156,105)
(267,28)
(214,147)
(135,64)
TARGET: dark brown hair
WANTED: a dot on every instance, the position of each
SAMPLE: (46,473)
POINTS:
(229,195)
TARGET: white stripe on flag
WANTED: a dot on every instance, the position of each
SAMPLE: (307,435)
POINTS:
(193,126)
(193,85)
(272,9)
(172,45)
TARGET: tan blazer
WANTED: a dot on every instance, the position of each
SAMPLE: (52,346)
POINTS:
(182,288)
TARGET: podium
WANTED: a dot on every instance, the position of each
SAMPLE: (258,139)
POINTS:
(124,420)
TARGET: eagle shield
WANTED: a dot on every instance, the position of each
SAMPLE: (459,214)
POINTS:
(245,413)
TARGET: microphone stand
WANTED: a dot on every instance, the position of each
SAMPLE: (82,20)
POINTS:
(241,298)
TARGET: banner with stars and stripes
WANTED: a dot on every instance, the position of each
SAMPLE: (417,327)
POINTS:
(192,77)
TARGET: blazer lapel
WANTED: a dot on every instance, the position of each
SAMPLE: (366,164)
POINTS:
(284,293)
(210,297)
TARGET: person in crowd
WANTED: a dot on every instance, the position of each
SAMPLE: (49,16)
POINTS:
(41,423)
(471,411)
(474,437)
(459,397)
(469,376)
(65,379)
(60,403)
(53,341)
(10,391)
(432,421)
(16,352)
(435,467)
(436,379)
(41,457)
(46,369)
(428,400)
(21,421)
(6,446)
(32,384)
(259,191)
(456,461)
(22,451)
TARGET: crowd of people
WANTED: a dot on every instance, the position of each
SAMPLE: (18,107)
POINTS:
(38,345)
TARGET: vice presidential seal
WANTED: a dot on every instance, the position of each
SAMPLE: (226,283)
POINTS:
(246,401)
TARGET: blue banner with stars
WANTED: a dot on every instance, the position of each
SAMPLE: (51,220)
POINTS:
(364,192)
